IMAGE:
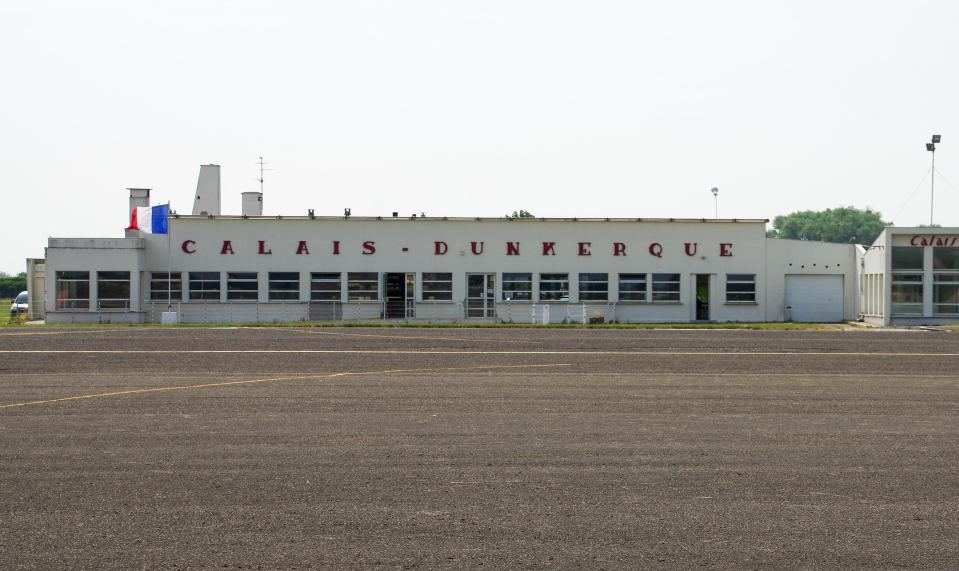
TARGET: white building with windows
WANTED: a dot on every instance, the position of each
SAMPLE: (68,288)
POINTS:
(253,268)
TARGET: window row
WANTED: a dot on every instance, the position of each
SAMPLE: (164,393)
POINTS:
(438,286)
(907,293)
(113,288)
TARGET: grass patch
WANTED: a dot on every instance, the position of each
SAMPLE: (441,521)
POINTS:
(461,325)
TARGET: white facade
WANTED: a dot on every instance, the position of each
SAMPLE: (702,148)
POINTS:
(265,269)
(910,276)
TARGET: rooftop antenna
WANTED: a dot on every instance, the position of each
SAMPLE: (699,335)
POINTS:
(262,163)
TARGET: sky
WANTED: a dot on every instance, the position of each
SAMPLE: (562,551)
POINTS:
(588,109)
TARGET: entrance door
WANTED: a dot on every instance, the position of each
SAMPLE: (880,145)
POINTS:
(701,292)
(400,294)
(481,295)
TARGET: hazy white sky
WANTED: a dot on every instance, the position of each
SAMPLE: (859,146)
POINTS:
(474,108)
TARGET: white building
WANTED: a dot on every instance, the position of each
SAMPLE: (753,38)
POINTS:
(254,268)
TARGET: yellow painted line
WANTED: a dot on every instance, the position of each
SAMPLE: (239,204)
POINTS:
(456,352)
(270,380)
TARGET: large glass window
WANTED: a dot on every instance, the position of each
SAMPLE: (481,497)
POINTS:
(632,287)
(906,293)
(665,287)
(164,286)
(945,294)
(284,286)
(906,258)
(437,287)
(113,290)
(740,288)
(242,286)
(554,287)
(325,286)
(73,290)
(593,287)
(517,286)
(945,259)
(362,286)
(205,286)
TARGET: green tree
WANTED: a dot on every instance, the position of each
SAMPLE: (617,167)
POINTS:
(10,286)
(520,214)
(845,225)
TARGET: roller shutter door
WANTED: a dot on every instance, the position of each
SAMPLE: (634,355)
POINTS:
(814,298)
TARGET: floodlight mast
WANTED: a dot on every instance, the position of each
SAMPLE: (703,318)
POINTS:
(931,147)
(715,191)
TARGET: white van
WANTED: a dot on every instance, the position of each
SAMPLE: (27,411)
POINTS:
(20,304)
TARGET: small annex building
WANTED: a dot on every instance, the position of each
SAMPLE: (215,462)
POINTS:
(211,267)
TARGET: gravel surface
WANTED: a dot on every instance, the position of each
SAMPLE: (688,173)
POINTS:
(464,448)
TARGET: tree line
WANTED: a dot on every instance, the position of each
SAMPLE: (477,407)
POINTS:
(10,286)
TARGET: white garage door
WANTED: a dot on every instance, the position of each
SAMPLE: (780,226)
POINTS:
(814,298)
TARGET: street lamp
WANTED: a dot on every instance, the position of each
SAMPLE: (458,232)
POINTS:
(931,147)
(715,192)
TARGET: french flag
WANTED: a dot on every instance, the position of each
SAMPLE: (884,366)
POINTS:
(151,219)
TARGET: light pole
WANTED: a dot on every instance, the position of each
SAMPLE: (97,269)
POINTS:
(931,147)
(715,191)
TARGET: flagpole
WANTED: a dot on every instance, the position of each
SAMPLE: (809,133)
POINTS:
(169,276)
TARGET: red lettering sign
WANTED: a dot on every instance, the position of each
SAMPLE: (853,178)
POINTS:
(369,247)
(441,248)
(512,248)
(548,248)
(336,247)
(691,251)
(619,249)
(263,249)
(301,248)
(726,250)
(476,252)
(187,245)
(584,248)
(656,249)
(227,248)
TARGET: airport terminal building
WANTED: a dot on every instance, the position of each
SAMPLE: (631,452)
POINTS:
(210,267)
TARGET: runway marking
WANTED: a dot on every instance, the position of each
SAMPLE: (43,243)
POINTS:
(71,331)
(269,380)
(457,352)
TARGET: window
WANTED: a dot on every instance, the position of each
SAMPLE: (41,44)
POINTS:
(113,290)
(740,288)
(906,293)
(945,281)
(205,286)
(632,287)
(437,287)
(325,286)
(73,290)
(666,287)
(945,259)
(517,287)
(164,286)
(362,286)
(284,286)
(241,286)
(945,296)
(554,287)
(593,287)
(906,258)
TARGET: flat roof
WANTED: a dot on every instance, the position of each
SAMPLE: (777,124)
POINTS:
(470,219)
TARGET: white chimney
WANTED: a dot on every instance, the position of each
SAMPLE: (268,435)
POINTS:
(139,197)
(252,203)
(207,199)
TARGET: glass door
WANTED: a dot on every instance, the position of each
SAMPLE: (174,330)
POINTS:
(481,295)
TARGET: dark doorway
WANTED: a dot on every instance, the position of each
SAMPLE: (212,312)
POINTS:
(399,294)
(702,297)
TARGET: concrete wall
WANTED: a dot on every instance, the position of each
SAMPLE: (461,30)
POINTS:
(785,257)
(93,255)
(404,245)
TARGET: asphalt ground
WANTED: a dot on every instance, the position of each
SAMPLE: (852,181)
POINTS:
(463,448)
